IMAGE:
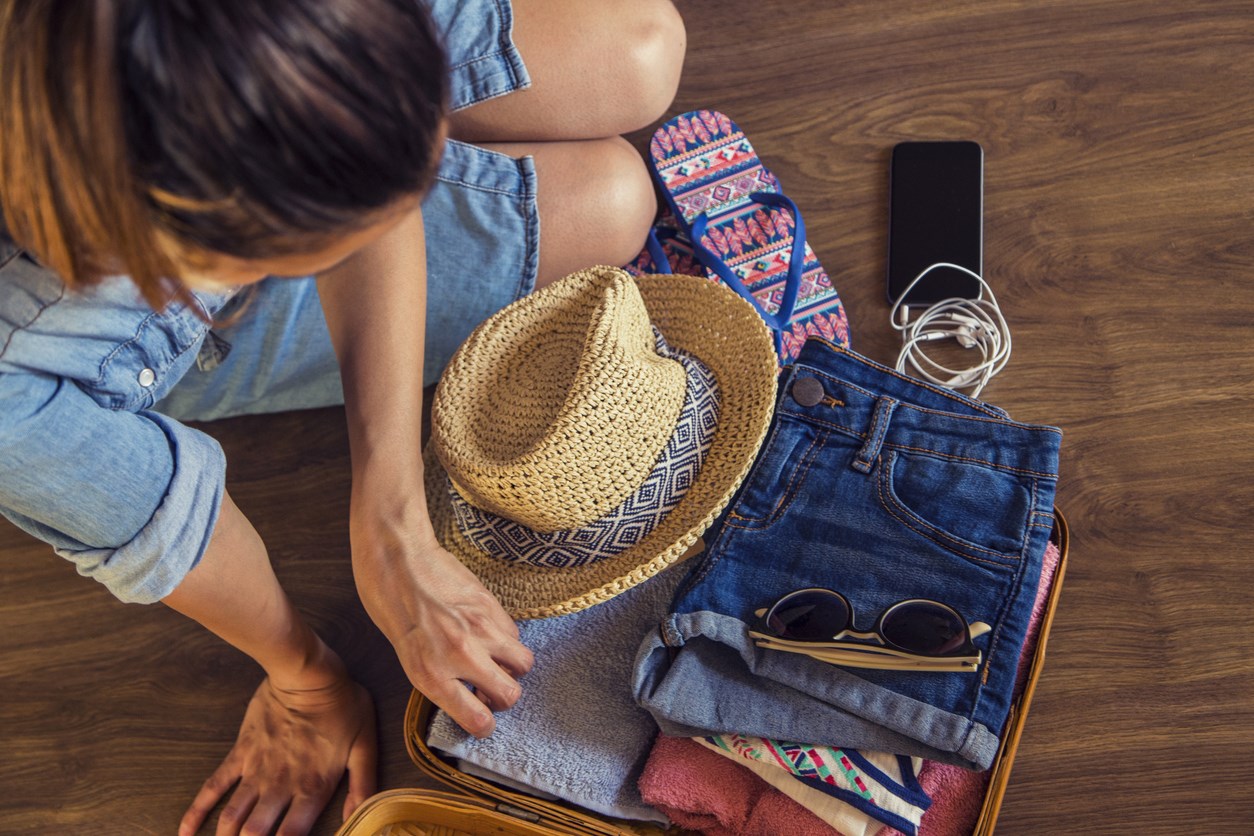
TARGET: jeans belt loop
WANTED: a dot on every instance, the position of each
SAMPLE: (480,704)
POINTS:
(883,414)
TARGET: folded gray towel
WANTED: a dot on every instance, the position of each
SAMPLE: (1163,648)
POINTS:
(576,733)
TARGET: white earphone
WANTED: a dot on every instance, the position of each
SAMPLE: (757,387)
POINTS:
(973,323)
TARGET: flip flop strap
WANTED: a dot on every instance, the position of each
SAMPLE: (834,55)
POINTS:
(661,262)
(796,263)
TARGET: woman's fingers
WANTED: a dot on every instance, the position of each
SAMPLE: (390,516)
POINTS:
(464,707)
(211,792)
(515,657)
(301,816)
(362,765)
(265,813)
(237,809)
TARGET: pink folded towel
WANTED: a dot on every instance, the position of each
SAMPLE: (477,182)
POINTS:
(701,790)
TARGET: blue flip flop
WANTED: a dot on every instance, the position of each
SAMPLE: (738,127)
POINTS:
(746,233)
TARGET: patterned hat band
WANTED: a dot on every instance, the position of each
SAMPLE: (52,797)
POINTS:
(625,526)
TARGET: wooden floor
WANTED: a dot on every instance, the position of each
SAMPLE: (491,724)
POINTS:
(1119,142)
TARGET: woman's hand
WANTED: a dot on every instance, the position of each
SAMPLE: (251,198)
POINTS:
(308,721)
(292,749)
(448,630)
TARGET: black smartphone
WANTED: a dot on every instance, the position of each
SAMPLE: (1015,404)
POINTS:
(935,215)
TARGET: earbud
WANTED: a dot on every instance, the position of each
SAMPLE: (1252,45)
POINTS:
(969,336)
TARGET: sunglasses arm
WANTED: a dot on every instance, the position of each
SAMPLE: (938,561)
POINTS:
(878,661)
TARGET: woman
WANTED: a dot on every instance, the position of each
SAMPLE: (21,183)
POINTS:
(428,166)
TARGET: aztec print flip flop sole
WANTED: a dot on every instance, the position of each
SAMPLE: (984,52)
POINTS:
(743,229)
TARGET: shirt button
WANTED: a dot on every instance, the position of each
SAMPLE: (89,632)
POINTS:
(147,377)
(807,391)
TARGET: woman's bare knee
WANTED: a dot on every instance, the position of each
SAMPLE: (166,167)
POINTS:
(596,203)
(599,68)
(628,203)
(653,59)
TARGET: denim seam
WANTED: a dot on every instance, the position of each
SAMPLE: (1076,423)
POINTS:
(772,434)
(531,231)
(713,556)
(143,399)
(983,419)
(881,418)
(1048,520)
(789,494)
(1025,471)
(897,510)
(1023,544)
(995,638)
(43,307)
(108,358)
(505,45)
(479,188)
(469,62)
(813,419)
(994,418)
(486,97)
(715,549)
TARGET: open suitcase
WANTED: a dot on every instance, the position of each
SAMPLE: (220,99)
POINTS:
(481,807)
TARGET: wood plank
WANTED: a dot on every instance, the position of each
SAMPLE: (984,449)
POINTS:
(1119,141)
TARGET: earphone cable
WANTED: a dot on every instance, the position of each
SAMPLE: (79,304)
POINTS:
(974,323)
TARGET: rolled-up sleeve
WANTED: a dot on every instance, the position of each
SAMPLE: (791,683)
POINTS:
(130,497)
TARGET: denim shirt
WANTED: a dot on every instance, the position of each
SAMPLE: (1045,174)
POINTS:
(126,493)
(90,459)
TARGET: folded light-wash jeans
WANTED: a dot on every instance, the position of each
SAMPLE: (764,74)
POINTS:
(883,488)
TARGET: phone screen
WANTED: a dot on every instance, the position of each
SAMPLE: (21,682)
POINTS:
(935,214)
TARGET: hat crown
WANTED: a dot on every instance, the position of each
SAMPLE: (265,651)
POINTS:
(556,408)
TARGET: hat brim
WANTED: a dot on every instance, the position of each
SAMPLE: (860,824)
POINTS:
(727,334)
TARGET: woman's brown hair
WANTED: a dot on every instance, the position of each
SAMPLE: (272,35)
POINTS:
(235,127)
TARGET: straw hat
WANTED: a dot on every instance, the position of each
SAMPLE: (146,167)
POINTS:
(584,437)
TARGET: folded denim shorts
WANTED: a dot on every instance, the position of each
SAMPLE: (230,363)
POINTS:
(482,232)
(882,488)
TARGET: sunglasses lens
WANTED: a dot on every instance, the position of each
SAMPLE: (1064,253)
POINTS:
(809,615)
(924,627)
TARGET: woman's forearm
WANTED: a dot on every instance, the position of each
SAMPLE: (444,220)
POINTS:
(234,593)
(447,628)
(375,305)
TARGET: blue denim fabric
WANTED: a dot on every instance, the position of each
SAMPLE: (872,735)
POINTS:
(90,458)
(888,488)
(482,229)
(85,463)
(483,249)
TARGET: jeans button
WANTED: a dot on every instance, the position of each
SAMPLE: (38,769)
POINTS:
(147,377)
(807,391)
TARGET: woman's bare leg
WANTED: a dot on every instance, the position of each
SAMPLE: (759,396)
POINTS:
(595,199)
(598,68)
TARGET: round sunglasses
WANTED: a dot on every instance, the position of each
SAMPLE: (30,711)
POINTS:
(915,627)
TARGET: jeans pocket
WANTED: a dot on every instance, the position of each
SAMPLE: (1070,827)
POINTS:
(973,509)
(778,475)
